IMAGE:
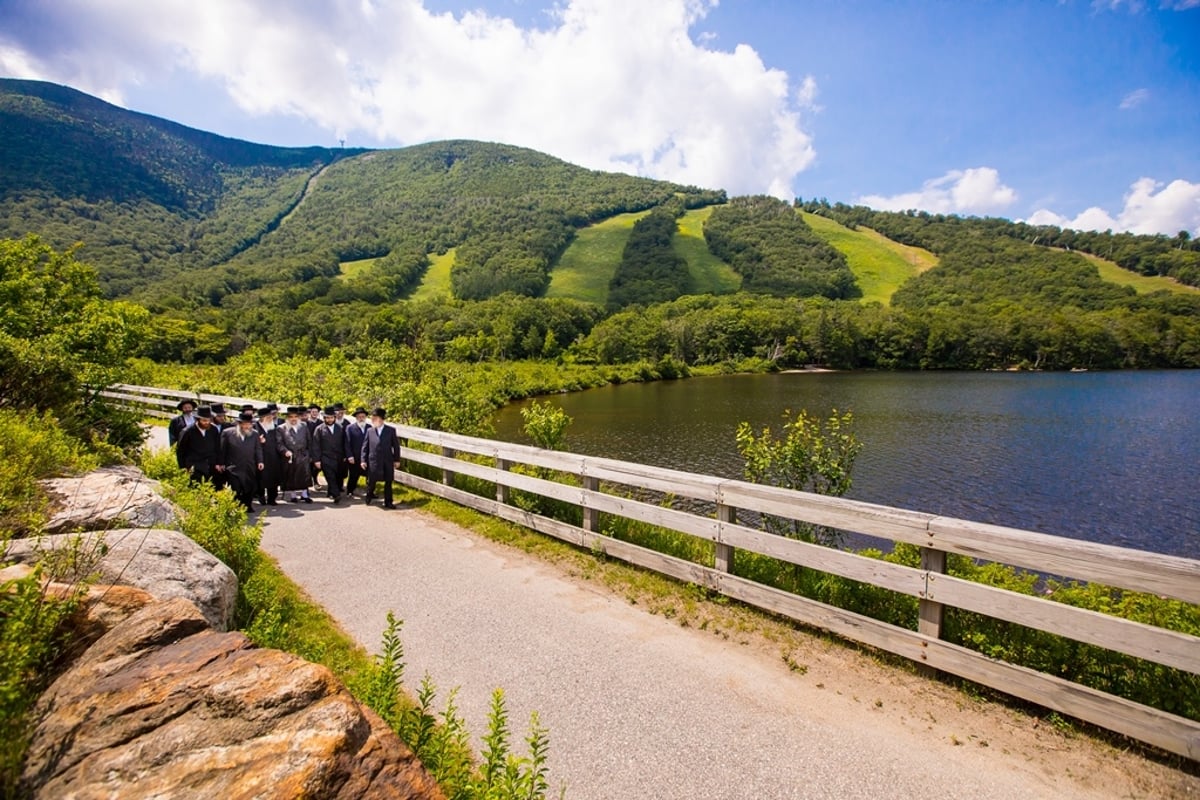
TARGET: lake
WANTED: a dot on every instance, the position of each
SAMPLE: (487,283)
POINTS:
(1110,457)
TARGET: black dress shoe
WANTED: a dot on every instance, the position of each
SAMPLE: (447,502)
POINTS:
(272,503)
(367,500)
(308,499)
(389,505)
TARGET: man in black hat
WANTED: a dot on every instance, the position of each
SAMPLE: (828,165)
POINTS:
(268,479)
(220,422)
(311,417)
(242,455)
(356,432)
(292,442)
(181,423)
(380,457)
(342,422)
(329,453)
(199,448)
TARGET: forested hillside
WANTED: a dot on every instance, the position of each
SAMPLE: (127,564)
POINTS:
(148,198)
(179,218)
(448,249)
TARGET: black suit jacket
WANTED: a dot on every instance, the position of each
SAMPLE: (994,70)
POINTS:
(380,451)
(199,452)
(329,446)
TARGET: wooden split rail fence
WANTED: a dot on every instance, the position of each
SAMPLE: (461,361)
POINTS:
(601,485)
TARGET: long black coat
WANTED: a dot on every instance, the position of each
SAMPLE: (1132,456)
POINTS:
(272,465)
(199,451)
(329,446)
(380,451)
(241,456)
(295,472)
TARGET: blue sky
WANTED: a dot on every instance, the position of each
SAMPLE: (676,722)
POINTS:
(1078,113)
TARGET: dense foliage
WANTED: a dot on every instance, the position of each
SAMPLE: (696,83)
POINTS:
(148,198)
(776,252)
(180,218)
(58,336)
(1177,257)
(650,270)
(782,333)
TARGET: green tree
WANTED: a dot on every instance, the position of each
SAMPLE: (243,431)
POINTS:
(57,333)
(810,456)
(546,424)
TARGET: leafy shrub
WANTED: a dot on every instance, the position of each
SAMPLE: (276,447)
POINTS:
(33,636)
(33,447)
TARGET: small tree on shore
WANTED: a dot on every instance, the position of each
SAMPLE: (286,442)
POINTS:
(811,455)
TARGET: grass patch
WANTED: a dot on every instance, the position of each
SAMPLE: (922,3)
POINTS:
(880,265)
(709,274)
(435,284)
(586,268)
(352,269)
(1142,284)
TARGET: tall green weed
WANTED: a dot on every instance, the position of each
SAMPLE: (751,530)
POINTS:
(442,741)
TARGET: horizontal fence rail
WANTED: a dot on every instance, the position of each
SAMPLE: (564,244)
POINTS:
(601,485)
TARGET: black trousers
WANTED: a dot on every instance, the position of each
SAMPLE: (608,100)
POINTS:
(387,490)
(243,488)
(333,483)
(353,473)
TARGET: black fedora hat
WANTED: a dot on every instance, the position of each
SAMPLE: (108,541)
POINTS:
(379,412)
(218,409)
(246,416)
(185,402)
(204,412)
(329,412)
(361,410)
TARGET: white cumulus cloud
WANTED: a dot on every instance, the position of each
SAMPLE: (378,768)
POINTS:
(1150,207)
(977,190)
(609,84)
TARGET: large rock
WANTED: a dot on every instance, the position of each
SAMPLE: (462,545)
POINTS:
(163,706)
(109,497)
(163,563)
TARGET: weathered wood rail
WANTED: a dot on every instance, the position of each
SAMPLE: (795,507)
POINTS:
(600,485)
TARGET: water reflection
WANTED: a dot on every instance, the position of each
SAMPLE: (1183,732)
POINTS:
(1109,457)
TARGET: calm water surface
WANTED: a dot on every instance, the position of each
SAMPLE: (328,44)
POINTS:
(1110,457)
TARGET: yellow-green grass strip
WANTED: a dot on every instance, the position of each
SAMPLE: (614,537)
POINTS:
(880,265)
(1142,284)
(352,269)
(710,275)
(435,284)
(586,268)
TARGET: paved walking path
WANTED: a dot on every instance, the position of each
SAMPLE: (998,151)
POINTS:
(636,705)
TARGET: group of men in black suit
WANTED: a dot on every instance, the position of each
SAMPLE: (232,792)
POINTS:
(258,458)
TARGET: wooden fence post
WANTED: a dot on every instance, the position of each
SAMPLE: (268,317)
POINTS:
(929,611)
(591,516)
(501,489)
(723,558)
(448,475)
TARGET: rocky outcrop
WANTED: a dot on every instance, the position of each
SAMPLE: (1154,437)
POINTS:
(164,563)
(109,497)
(164,706)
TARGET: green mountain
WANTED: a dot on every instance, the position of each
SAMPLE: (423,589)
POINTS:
(474,250)
(176,216)
(147,198)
